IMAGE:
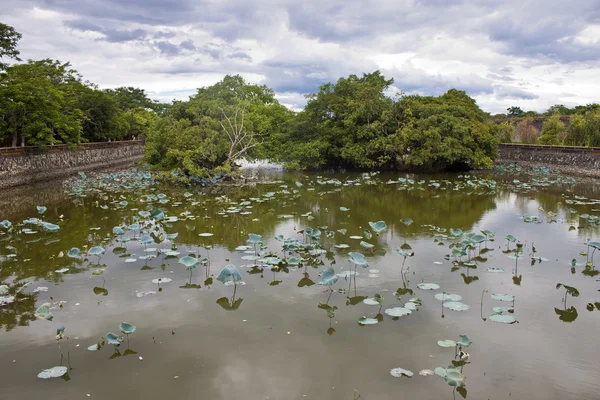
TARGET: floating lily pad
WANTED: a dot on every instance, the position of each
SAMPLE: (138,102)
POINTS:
(426,372)
(503,318)
(347,274)
(94,347)
(371,301)
(54,372)
(397,312)
(501,310)
(456,306)
(503,297)
(448,297)
(367,321)
(428,286)
(43,312)
(161,280)
(446,343)
(399,372)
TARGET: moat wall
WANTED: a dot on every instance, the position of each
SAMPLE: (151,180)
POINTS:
(25,165)
(569,159)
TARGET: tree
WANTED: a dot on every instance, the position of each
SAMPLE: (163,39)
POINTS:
(9,39)
(449,131)
(37,103)
(215,128)
(525,132)
(592,129)
(344,125)
(101,114)
(515,111)
(551,130)
(576,135)
(560,110)
(505,132)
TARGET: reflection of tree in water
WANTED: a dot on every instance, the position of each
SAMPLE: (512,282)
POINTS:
(20,312)
(451,209)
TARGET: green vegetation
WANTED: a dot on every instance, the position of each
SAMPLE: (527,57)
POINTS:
(216,127)
(559,125)
(551,130)
(46,102)
(350,124)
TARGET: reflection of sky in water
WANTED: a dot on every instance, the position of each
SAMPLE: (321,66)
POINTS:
(248,353)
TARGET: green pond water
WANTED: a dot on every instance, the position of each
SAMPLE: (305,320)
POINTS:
(279,334)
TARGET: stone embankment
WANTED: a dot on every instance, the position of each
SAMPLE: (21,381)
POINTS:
(582,161)
(26,165)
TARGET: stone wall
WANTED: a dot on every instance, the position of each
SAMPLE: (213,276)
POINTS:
(25,165)
(569,159)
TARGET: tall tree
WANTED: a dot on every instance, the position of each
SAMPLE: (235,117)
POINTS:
(515,111)
(37,103)
(9,38)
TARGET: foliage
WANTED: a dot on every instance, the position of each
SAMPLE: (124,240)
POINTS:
(216,127)
(526,132)
(584,130)
(37,103)
(592,128)
(353,124)
(448,131)
(552,128)
(505,132)
(576,132)
(8,44)
(46,102)
(515,111)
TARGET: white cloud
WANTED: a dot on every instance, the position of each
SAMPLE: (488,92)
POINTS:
(545,54)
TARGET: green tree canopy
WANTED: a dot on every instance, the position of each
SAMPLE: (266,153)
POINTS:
(552,130)
(37,103)
(9,39)
(222,123)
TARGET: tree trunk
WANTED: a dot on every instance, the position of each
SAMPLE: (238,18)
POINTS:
(14,139)
(22,141)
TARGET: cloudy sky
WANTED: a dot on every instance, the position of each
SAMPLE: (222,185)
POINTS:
(531,53)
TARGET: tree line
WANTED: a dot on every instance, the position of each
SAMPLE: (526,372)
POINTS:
(353,123)
(44,102)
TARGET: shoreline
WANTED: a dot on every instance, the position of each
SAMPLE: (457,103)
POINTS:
(570,170)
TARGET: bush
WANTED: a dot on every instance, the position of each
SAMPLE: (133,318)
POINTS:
(552,128)
(505,132)
(526,133)
(576,132)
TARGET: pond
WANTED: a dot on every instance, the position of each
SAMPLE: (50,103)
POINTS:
(302,286)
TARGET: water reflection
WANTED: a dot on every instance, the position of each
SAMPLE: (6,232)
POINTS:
(291,281)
